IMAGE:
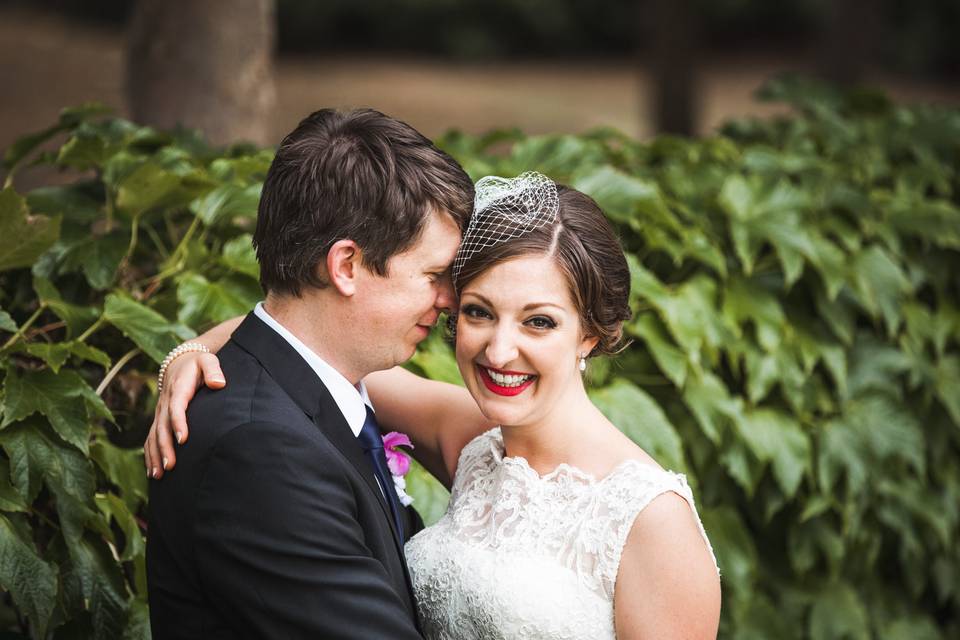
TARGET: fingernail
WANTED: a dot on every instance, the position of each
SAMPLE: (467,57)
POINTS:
(179,437)
(218,380)
(164,463)
(156,473)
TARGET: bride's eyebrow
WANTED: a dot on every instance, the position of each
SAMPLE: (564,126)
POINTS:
(471,294)
(537,305)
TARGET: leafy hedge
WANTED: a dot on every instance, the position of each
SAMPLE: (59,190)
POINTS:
(797,349)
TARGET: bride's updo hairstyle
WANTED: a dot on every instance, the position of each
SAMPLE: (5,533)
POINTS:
(584,246)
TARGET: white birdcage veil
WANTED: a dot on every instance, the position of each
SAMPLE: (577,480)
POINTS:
(506,208)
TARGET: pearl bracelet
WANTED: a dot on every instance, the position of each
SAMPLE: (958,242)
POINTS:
(176,352)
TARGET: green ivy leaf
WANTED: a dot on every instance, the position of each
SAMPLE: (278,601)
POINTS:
(759,619)
(30,580)
(841,451)
(839,314)
(238,255)
(644,285)
(123,467)
(808,541)
(97,256)
(86,352)
(75,202)
(554,155)
(948,385)
(138,621)
(203,302)
(776,437)
(622,197)
(148,329)
(85,149)
(6,322)
(226,202)
(65,398)
(23,237)
(102,585)
(113,507)
(744,467)
(244,168)
(875,366)
(733,545)
(708,399)
(880,285)
(838,612)
(873,429)
(746,301)
(434,359)
(151,186)
(69,118)
(37,457)
(53,353)
(10,498)
(639,416)
(671,359)
(915,627)
(23,146)
(78,318)
(429,496)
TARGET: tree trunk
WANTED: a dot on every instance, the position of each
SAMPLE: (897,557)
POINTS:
(849,40)
(673,48)
(203,64)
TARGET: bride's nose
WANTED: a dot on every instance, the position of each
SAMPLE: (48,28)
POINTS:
(501,348)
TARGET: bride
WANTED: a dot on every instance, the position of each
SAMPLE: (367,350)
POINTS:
(558,526)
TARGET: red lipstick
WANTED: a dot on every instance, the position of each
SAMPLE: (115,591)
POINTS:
(503,391)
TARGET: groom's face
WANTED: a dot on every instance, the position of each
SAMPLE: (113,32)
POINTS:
(399,309)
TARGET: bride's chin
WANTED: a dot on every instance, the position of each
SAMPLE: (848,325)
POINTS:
(499,415)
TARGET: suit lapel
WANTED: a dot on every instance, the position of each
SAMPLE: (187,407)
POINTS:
(304,387)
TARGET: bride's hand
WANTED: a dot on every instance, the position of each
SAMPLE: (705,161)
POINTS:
(180,383)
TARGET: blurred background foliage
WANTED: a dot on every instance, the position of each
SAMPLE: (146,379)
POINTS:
(796,353)
(915,37)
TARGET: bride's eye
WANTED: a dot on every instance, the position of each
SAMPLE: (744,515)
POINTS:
(541,322)
(475,311)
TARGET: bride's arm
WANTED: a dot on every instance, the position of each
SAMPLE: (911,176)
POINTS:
(667,585)
(440,418)
(181,380)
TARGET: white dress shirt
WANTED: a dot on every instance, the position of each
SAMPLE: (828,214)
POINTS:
(351,400)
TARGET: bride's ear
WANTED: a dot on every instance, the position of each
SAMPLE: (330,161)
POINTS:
(587,345)
(343,266)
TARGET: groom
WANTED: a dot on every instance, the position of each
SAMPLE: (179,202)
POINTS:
(280,520)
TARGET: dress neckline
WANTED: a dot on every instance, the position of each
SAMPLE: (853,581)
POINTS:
(564,468)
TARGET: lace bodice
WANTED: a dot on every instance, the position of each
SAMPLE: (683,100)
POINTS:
(520,556)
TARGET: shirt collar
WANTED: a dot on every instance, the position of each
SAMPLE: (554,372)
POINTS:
(351,400)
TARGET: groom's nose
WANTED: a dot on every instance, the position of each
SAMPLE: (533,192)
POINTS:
(446,296)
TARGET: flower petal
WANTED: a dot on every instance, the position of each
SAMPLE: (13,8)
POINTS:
(398,462)
(395,439)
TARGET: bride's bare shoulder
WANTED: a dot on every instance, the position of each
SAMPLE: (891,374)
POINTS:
(668,585)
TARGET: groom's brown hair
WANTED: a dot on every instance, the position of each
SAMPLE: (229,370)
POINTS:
(357,175)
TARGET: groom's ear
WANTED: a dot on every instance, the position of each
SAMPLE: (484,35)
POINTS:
(343,266)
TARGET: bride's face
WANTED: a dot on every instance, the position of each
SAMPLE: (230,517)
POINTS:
(518,340)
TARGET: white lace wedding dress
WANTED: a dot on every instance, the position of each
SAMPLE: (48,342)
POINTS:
(518,556)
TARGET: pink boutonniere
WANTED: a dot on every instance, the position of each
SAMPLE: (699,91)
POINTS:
(399,463)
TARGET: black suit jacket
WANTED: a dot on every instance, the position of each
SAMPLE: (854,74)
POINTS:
(273,525)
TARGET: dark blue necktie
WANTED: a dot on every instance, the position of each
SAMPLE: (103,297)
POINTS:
(372,443)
